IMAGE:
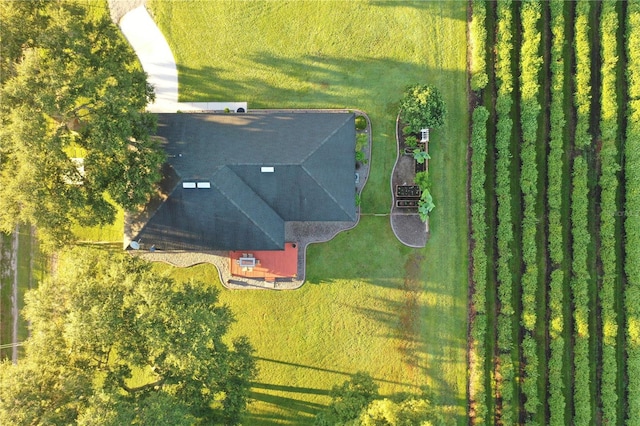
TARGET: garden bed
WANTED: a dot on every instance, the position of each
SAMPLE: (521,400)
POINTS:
(408,191)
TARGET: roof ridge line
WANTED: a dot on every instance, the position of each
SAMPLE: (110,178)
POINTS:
(336,202)
(335,130)
(232,201)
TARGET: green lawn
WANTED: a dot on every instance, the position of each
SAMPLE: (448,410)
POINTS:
(111,233)
(369,303)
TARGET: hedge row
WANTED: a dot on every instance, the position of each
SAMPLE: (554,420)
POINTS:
(580,291)
(632,213)
(479,258)
(504,233)
(582,96)
(478,205)
(608,189)
(530,62)
(554,198)
(477,43)
(580,210)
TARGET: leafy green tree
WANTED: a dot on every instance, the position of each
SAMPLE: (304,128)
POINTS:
(422,107)
(112,342)
(348,400)
(357,403)
(71,87)
(408,410)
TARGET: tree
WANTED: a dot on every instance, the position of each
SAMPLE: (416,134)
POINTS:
(112,342)
(357,403)
(71,87)
(348,400)
(422,107)
(405,410)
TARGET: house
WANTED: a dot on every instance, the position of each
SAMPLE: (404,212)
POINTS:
(232,181)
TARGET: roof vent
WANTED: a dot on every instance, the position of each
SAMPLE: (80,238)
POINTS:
(266,169)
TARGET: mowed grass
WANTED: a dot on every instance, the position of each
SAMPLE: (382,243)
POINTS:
(110,233)
(361,309)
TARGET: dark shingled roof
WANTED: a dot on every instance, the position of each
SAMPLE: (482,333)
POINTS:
(312,155)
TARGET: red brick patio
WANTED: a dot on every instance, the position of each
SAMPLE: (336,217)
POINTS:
(269,265)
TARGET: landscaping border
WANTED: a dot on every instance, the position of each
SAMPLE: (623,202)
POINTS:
(407,220)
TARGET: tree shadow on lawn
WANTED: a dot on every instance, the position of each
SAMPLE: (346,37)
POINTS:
(347,374)
(429,352)
(454,8)
(312,81)
(290,403)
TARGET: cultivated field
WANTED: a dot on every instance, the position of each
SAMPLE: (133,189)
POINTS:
(555,333)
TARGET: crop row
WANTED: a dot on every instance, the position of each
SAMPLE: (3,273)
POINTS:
(504,233)
(530,61)
(579,222)
(479,229)
(477,45)
(608,190)
(632,209)
(582,95)
(554,196)
(580,291)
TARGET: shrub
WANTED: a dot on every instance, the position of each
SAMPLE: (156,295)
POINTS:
(423,181)
(411,141)
(420,156)
(425,205)
(422,106)
(361,123)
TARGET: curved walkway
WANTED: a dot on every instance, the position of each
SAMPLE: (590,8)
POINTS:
(158,62)
(405,222)
(155,56)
